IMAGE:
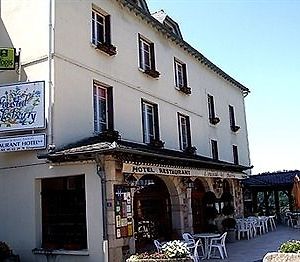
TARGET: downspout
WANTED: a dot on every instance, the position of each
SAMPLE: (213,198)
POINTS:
(102,176)
(50,82)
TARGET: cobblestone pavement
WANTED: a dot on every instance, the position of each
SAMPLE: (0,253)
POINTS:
(253,250)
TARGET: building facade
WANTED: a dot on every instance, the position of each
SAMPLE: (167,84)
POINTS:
(145,137)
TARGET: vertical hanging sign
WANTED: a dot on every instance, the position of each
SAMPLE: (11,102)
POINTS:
(123,211)
(8,58)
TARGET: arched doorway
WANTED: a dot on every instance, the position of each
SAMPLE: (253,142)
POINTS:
(198,192)
(152,211)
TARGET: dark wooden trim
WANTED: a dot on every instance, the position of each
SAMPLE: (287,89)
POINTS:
(110,108)
(235,154)
(214,149)
(107,29)
(152,57)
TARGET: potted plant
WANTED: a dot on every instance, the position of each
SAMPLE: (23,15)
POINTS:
(228,225)
(172,251)
(6,254)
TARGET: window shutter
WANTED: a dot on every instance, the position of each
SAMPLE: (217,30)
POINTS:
(184,75)
(188,126)
(152,56)
(140,52)
(107,29)
(156,123)
(110,108)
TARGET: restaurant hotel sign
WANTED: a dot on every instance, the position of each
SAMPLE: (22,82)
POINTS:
(178,171)
(22,107)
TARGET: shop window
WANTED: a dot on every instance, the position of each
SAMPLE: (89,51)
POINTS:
(103,108)
(64,213)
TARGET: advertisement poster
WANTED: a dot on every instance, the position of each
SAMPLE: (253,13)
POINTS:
(123,211)
(7,58)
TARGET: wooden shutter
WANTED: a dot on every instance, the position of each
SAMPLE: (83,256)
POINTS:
(184,75)
(107,29)
(110,108)
(140,51)
(152,56)
(188,127)
(156,122)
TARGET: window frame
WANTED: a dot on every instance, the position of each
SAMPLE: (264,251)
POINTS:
(184,143)
(108,107)
(106,34)
(147,137)
(180,66)
(60,196)
(214,149)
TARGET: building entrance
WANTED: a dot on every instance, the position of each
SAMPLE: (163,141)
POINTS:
(152,212)
(198,192)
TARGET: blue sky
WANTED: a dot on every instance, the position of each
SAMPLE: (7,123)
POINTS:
(258,44)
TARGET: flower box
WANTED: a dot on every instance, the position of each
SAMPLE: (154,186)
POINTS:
(185,89)
(151,72)
(157,143)
(107,48)
(281,257)
(235,128)
(214,120)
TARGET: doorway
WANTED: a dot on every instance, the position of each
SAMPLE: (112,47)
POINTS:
(152,212)
(198,192)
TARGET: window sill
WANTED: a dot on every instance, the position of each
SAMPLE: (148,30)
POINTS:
(107,48)
(151,72)
(48,252)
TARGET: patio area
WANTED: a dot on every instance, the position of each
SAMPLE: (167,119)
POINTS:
(253,250)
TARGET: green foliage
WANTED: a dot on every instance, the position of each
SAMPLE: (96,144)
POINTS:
(291,246)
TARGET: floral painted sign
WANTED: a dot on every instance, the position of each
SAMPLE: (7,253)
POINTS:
(22,106)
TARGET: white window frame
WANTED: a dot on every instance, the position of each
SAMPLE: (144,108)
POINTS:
(94,28)
(98,99)
(179,74)
(146,125)
(183,131)
(143,43)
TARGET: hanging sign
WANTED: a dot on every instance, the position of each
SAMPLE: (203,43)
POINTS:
(123,211)
(7,58)
(22,143)
(22,106)
(178,171)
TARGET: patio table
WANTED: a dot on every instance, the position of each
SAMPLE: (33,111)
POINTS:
(206,237)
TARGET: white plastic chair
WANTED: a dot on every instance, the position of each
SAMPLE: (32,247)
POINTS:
(158,245)
(187,236)
(218,243)
(243,227)
(272,222)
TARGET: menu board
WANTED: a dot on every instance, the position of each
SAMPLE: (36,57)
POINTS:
(123,211)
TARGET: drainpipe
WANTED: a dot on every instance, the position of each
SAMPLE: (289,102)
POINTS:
(50,83)
(102,176)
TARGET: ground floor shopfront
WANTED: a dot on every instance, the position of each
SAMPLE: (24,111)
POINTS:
(101,202)
(149,196)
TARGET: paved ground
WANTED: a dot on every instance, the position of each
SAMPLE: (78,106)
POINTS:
(253,250)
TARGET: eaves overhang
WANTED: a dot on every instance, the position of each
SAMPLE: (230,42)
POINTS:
(181,43)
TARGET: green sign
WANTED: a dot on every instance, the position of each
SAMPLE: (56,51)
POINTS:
(7,58)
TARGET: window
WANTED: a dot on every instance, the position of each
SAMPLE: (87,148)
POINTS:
(211,110)
(101,33)
(184,131)
(235,154)
(103,111)
(233,125)
(64,213)
(147,57)
(150,122)
(100,28)
(214,149)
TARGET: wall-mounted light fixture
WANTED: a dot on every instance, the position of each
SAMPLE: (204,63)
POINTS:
(187,182)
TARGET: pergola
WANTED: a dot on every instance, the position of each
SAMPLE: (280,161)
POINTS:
(264,193)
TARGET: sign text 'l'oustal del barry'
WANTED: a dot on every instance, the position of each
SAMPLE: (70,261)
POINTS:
(22,106)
